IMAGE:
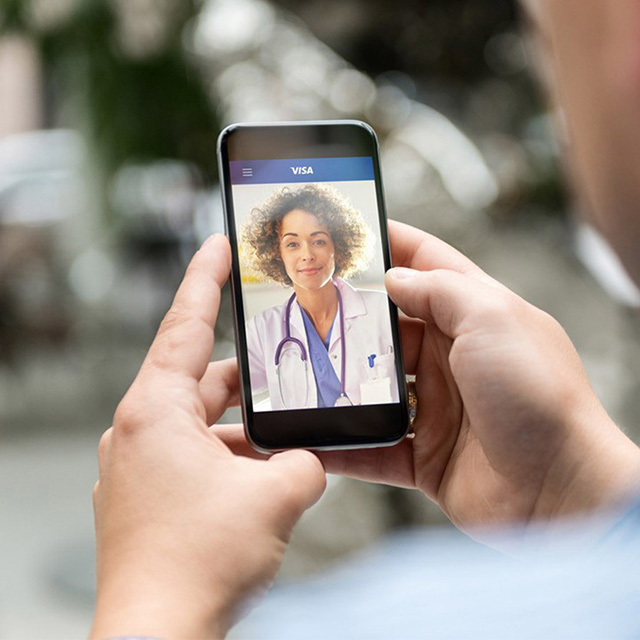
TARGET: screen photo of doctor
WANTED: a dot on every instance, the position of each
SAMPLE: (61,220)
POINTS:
(329,344)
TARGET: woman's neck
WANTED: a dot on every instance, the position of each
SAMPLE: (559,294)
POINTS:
(321,304)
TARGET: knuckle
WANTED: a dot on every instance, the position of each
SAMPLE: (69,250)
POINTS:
(502,306)
(103,445)
(505,304)
(530,317)
(127,416)
(179,327)
(173,319)
(548,320)
(439,277)
(162,355)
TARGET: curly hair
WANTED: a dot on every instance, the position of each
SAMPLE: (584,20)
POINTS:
(351,235)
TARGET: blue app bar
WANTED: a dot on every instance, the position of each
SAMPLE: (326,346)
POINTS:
(301,170)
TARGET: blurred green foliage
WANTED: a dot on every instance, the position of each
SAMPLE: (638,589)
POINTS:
(137,108)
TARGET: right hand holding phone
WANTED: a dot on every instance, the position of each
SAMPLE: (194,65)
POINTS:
(508,428)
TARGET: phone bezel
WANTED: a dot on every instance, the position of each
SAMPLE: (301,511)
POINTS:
(324,428)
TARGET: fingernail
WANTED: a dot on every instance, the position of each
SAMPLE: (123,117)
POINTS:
(402,273)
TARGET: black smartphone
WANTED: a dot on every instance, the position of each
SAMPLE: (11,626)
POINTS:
(316,334)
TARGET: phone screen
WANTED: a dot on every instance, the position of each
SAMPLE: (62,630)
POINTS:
(316,330)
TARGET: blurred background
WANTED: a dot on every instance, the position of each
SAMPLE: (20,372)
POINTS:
(109,112)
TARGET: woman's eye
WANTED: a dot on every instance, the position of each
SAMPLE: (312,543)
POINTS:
(292,245)
(320,243)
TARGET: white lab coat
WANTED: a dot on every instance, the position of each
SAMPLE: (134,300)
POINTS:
(367,329)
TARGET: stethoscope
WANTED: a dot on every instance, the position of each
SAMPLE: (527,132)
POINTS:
(343,400)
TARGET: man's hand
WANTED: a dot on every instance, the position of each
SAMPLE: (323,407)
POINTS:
(508,428)
(186,530)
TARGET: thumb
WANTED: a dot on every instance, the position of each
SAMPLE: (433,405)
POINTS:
(454,302)
(302,477)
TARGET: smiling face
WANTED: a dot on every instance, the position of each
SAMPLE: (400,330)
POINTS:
(307,250)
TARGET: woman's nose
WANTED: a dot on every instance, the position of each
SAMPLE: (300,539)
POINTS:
(307,252)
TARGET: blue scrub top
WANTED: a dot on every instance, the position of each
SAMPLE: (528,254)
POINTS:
(327,382)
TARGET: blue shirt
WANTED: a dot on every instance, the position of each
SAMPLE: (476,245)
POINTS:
(443,586)
(327,382)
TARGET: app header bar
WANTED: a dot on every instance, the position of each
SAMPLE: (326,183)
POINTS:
(301,170)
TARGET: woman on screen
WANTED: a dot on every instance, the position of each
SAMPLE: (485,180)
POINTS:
(329,344)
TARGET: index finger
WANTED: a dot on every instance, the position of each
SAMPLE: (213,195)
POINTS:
(184,342)
(411,247)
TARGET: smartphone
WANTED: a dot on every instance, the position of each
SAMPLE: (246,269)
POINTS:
(316,334)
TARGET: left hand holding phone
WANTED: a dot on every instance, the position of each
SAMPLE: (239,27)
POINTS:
(508,429)
(186,530)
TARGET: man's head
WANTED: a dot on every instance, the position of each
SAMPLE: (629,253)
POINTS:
(593,47)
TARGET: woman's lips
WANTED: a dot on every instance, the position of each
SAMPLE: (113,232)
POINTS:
(310,272)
